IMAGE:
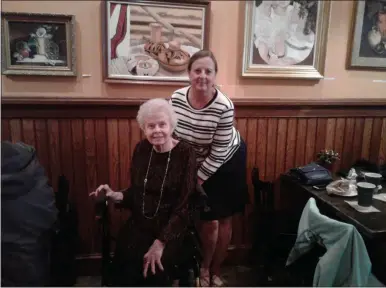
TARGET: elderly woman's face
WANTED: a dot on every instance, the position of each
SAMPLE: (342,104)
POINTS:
(158,129)
(202,74)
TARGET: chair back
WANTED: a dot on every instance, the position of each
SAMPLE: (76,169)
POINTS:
(264,213)
(263,192)
(61,196)
(197,204)
(102,215)
(271,242)
(345,261)
(65,238)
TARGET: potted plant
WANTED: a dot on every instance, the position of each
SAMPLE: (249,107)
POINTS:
(327,158)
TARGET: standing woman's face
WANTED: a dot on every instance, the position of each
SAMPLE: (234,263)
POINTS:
(202,74)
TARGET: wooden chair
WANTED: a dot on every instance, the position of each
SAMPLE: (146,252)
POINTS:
(65,238)
(187,275)
(274,234)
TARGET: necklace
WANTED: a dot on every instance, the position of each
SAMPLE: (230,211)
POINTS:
(162,186)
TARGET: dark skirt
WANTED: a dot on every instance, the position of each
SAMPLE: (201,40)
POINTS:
(132,245)
(227,188)
(127,265)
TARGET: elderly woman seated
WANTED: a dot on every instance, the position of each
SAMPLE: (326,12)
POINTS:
(163,179)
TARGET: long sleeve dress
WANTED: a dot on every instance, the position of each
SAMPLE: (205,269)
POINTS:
(169,224)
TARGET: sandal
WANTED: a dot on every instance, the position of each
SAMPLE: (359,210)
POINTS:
(217,281)
(204,279)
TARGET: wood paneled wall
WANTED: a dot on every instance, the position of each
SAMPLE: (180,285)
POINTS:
(91,143)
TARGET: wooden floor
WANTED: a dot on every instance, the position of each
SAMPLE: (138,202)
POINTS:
(235,276)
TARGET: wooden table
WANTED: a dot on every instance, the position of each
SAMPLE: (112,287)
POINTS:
(372,226)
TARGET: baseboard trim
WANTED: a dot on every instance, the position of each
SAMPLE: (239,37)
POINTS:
(90,265)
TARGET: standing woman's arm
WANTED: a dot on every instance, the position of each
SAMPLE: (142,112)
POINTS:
(219,147)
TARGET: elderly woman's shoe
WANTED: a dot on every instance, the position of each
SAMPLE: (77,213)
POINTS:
(217,282)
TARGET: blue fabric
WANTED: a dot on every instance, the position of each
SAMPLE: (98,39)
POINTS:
(346,262)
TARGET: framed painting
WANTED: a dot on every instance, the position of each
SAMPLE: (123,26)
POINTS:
(367,49)
(38,44)
(285,39)
(152,41)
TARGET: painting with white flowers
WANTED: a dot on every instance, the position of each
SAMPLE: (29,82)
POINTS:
(38,44)
(285,39)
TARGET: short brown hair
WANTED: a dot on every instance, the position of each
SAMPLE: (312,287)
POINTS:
(202,54)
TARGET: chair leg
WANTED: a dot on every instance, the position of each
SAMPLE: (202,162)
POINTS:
(192,278)
(197,282)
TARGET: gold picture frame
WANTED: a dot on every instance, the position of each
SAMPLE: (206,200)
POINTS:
(38,44)
(150,42)
(298,48)
(363,52)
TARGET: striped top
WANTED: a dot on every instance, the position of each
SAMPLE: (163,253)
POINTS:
(209,130)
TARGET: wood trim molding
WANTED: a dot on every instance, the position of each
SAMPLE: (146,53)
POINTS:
(283,102)
(69,108)
(72,101)
(245,102)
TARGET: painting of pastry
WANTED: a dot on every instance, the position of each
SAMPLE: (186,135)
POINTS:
(153,41)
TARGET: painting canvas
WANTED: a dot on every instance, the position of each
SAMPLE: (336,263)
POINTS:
(285,39)
(368,37)
(38,44)
(151,41)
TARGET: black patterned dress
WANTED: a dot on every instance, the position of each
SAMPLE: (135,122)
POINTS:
(169,225)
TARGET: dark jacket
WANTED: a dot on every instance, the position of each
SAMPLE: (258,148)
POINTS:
(28,214)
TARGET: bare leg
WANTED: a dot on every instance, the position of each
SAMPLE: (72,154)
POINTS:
(224,238)
(208,234)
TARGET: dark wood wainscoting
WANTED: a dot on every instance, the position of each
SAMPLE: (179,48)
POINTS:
(91,143)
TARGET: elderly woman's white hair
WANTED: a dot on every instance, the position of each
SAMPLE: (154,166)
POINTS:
(153,106)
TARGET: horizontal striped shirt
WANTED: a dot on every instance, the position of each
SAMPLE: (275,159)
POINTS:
(209,130)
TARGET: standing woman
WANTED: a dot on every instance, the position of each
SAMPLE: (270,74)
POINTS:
(205,120)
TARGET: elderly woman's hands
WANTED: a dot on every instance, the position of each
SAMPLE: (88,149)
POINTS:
(116,196)
(153,257)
